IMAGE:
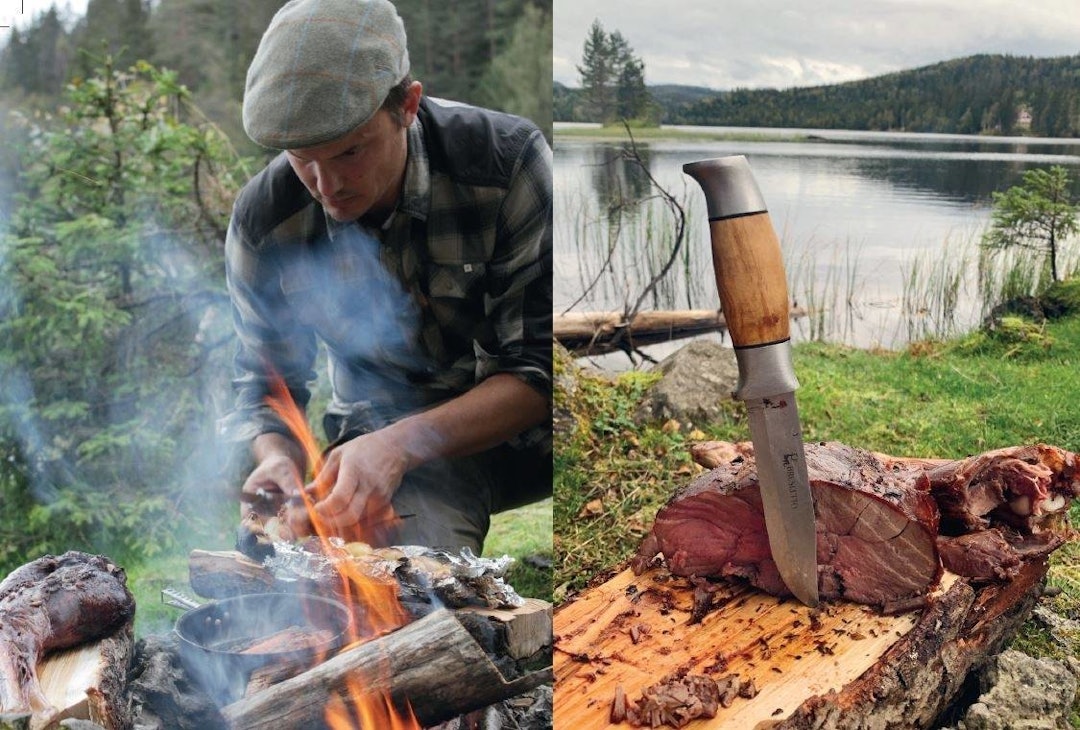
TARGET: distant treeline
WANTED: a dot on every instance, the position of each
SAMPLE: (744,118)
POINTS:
(490,52)
(983,94)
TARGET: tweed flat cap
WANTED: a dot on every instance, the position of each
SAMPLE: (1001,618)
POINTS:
(323,68)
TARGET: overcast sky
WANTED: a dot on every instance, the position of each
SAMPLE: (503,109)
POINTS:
(724,44)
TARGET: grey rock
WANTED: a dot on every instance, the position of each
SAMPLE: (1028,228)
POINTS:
(696,380)
(1061,627)
(1022,693)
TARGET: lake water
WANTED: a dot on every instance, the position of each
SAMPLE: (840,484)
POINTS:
(858,214)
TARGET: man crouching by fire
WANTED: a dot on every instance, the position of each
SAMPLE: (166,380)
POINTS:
(411,237)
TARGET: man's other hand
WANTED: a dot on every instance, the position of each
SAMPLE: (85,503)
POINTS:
(363,475)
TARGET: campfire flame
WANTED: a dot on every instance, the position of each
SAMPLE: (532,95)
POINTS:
(372,600)
(373,711)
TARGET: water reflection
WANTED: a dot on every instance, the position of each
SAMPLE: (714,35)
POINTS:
(615,234)
(618,175)
(860,216)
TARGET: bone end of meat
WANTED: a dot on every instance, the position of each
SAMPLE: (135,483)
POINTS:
(54,603)
(711,454)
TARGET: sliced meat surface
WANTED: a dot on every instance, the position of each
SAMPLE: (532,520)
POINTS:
(54,603)
(876,528)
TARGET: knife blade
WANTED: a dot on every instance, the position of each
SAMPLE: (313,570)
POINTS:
(752,284)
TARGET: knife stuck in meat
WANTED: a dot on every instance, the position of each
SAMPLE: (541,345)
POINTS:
(753,292)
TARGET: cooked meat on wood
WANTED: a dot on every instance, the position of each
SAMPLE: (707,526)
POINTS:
(875,515)
(876,528)
(54,603)
(294,638)
(1028,488)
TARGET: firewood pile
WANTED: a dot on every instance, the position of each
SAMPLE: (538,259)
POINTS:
(444,667)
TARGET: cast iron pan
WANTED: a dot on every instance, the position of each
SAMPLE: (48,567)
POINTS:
(212,637)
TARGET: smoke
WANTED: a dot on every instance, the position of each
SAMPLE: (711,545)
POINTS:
(17,427)
(367,318)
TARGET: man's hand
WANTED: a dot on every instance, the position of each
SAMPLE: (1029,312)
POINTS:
(363,475)
(278,473)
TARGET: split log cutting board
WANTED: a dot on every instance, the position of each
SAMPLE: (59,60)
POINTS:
(834,667)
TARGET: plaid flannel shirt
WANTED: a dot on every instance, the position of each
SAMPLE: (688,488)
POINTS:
(455,287)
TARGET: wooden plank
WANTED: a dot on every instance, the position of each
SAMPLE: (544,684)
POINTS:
(592,332)
(790,652)
(89,682)
(65,676)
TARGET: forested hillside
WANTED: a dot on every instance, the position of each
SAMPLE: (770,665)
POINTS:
(488,52)
(984,94)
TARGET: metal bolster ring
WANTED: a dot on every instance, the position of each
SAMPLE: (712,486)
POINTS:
(765,370)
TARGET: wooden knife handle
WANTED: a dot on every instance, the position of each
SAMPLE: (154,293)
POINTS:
(751,280)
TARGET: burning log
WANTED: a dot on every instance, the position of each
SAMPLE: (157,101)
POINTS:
(433,665)
(519,633)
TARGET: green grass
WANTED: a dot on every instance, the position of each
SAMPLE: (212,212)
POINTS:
(146,580)
(524,533)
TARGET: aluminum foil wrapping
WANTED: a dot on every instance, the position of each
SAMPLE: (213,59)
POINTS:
(453,579)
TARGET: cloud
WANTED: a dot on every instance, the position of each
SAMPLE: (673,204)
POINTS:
(782,43)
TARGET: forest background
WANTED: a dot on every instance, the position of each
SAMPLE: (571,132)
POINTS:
(981,94)
(494,53)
